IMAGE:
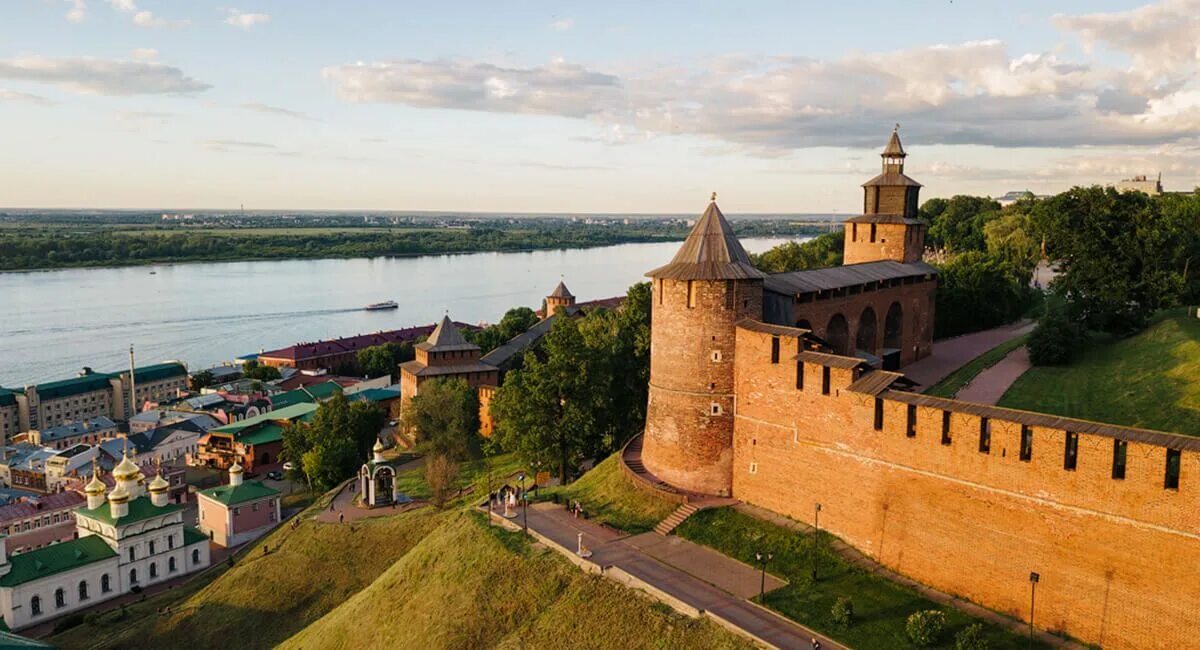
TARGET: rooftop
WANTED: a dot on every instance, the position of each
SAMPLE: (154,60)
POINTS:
(72,429)
(446,338)
(710,252)
(34,505)
(282,414)
(561,291)
(247,491)
(56,558)
(300,351)
(837,277)
(7,397)
(139,509)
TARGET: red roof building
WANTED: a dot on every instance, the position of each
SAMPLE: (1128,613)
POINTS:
(342,354)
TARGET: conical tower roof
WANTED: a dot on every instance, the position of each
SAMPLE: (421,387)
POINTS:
(894,148)
(561,291)
(710,252)
(446,337)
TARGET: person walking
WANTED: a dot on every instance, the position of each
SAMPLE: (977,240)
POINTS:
(816,645)
(341,517)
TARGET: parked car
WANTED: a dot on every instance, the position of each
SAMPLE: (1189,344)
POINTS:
(275,475)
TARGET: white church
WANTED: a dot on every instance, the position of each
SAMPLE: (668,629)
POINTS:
(125,541)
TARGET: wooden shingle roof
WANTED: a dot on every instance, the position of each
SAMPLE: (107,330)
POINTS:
(446,338)
(837,277)
(710,252)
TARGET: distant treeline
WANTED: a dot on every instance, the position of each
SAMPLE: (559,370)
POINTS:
(44,248)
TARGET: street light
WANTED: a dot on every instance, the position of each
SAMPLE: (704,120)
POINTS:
(524,504)
(1033,580)
(816,538)
(762,583)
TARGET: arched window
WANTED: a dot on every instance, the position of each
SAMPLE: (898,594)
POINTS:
(195,556)
(83,590)
(105,587)
(133,576)
(170,541)
(60,597)
(35,605)
(153,570)
(170,565)
(151,547)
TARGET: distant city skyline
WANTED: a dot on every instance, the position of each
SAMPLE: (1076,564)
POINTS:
(572,107)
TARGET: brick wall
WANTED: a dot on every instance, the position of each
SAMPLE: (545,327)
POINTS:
(893,241)
(687,444)
(1117,558)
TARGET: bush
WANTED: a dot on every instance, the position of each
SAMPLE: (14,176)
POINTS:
(925,627)
(842,611)
(68,622)
(1056,338)
(971,638)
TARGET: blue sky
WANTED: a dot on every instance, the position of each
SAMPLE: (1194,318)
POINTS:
(583,107)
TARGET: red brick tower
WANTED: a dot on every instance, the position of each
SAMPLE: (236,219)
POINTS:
(888,228)
(696,300)
(560,297)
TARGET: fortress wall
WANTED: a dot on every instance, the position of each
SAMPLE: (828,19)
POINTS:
(1119,560)
(916,300)
(890,240)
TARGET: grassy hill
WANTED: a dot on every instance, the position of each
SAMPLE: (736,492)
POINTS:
(263,600)
(470,586)
(1150,380)
(609,497)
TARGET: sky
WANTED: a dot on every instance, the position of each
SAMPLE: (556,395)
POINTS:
(618,106)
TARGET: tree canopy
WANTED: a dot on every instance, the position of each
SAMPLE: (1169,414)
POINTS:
(514,322)
(329,448)
(817,253)
(444,418)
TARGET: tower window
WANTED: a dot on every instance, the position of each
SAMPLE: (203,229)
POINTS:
(691,294)
(774,349)
(1172,479)
(854,232)
(945,427)
(730,294)
(825,380)
(799,375)
(985,436)
(716,356)
(715,408)
(1120,449)
(910,429)
(1026,443)
(872,233)
(878,414)
(1071,454)
(661,284)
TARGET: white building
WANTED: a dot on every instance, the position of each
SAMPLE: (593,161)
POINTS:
(126,542)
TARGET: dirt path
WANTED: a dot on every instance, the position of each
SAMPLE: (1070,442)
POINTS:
(991,384)
(951,354)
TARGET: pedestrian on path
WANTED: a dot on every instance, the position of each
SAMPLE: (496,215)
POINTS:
(341,517)
(816,645)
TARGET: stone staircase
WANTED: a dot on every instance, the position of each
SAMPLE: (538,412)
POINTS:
(666,526)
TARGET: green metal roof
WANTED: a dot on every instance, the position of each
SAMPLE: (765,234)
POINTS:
(267,433)
(375,395)
(7,397)
(73,386)
(287,413)
(159,371)
(10,640)
(56,558)
(139,509)
(324,390)
(291,398)
(248,491)
(193,536)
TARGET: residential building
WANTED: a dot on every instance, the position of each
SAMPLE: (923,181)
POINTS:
(1142,183)
(253,442)
(91,431)
(236,513)
(93,394)
(10,419)
(24,466)
(68,464)
(126,541)
(340,355)
(34,522)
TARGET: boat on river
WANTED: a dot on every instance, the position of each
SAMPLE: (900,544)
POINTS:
(381,306)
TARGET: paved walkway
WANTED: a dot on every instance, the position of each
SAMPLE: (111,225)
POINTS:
(990,385)
(951,354)
(342,509)
(857,558)
(654,562)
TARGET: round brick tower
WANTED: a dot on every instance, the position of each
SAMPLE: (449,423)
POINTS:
(696,301)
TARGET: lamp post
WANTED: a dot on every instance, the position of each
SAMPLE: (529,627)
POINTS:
(762,582)
(1033,580)
(524,504)
(816,538)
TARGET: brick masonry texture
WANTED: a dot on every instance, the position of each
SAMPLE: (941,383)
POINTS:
(903,319)
(893,241)
(1118,559)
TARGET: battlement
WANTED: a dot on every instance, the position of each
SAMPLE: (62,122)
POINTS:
(970,498)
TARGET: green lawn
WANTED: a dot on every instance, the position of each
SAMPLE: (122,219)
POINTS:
(881,607)
(473,473)
(1151,380)
(608,496)
(955,381)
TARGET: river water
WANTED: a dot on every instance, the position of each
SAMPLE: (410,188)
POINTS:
(52,323)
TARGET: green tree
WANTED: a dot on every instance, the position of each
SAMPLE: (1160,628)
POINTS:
(199,380)
(444,418)
(515,321)
(252,369)
(817,253)
(977,291)
(1057,337)
(329,448)
(376,361)
(958,224)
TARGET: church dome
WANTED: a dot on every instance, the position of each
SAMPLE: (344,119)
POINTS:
(126,470)
(378,446)
(159,484)
(95,486)
(119,495)
(235,469)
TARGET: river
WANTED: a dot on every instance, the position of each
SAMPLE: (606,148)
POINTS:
(52,323)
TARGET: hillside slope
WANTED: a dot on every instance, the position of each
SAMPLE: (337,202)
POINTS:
(1150,380)
(263,600)
(470,586)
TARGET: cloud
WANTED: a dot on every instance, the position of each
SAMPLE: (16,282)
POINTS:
(244,20)
(134,116)
(1159,38)
(228,145)
(144,53)
(563,24)
(143,18)
(90,76)
(78,11)
(25,98)
(276,110)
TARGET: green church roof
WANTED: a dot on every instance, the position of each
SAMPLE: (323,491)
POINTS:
(139,509)
(248,491)
(193,536)
(56,558)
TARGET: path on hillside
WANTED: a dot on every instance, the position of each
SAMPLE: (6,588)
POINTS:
(645,558)
(951,354)
(990,385)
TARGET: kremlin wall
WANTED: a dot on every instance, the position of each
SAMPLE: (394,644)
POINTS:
(970,499)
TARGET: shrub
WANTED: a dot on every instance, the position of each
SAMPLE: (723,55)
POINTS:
(68,622)
(1056,338)
(925,627)
(842,611)
(971,638)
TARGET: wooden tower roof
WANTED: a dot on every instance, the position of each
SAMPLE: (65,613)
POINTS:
(710,252)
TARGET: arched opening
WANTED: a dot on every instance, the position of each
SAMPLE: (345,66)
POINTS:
(35,605)
(264,459)
(171,565)
(893,328)
(105,586)
(866,337)
(804,324)
(153,570)
(837,334)
(60,597)
(383,486)
(195,556)
(133,576)
(83,590)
